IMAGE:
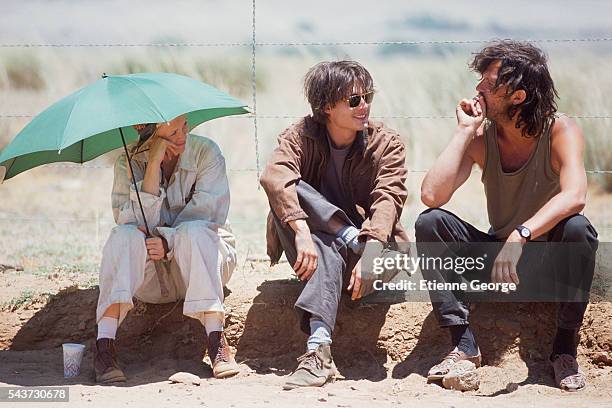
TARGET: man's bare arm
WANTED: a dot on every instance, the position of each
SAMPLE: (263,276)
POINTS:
(452,168)
(567,147)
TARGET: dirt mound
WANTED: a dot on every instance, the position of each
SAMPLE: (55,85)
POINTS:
(369,340)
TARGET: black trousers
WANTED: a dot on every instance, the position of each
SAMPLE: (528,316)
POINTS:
(320,295)
(565,264)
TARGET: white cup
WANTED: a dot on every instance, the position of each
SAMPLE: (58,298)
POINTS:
(73,354)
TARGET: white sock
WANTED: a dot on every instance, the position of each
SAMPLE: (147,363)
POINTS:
(213,322)
(320,333)
(350,236)
(107,328)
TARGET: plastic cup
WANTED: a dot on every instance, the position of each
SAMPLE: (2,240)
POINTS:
(73,354)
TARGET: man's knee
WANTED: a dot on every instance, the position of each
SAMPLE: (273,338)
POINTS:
(577,228)
(428,224)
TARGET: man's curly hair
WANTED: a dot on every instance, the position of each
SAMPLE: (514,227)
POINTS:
(523,67)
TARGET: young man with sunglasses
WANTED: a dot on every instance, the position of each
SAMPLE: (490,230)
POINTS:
(535,185)
(335,182)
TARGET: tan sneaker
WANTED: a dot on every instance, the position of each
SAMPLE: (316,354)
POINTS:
(438,371)
(223,363)
(105,363)
(568,376)
(315,368)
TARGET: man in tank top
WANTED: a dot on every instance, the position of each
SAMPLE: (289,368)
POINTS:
(535,185)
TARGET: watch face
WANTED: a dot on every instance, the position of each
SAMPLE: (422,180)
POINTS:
(525,233)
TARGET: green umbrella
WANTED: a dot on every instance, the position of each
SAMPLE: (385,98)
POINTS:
(98,118)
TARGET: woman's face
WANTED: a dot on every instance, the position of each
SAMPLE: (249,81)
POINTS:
(175,132)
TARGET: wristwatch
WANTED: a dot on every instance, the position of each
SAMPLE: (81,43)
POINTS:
(524,232)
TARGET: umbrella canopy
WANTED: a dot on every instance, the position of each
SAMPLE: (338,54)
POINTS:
(87,123)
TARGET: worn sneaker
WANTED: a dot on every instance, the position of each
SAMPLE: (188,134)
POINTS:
(105,363)
(438,371)
(315,368)
(567,374)
(223,363)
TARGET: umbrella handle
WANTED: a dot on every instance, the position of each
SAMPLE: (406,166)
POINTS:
(129,160)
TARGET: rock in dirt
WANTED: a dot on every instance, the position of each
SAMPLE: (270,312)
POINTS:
(511,387)
(462,377)
(185,378)
(602,358)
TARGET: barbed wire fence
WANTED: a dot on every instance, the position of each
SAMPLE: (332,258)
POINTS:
(253,45)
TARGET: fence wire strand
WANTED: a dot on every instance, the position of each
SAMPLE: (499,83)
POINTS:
(292,43)
(94,166)
(391,116)
(254,87)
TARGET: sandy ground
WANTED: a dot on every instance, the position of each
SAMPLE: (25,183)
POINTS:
(250,390)
(383,349)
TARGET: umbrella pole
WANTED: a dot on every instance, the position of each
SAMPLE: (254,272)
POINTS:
(158,267)
(129,160)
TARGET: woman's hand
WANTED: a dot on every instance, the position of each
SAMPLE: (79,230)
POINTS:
(157,247)
(157,152)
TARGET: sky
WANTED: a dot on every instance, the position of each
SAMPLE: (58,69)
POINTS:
(216,21)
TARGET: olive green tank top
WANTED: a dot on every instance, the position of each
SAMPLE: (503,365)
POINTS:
(513,198)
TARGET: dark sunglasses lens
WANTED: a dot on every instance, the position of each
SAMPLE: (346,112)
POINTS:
(369,97)
(354,101)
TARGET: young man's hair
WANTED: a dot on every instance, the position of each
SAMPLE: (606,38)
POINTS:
(523,67)
(327,83)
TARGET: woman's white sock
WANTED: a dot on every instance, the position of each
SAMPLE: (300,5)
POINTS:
(213,322)
(107,328)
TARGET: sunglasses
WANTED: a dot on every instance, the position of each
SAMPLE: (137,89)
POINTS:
(355,100)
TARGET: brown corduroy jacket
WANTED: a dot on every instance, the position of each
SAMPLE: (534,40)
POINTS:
(374,178)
